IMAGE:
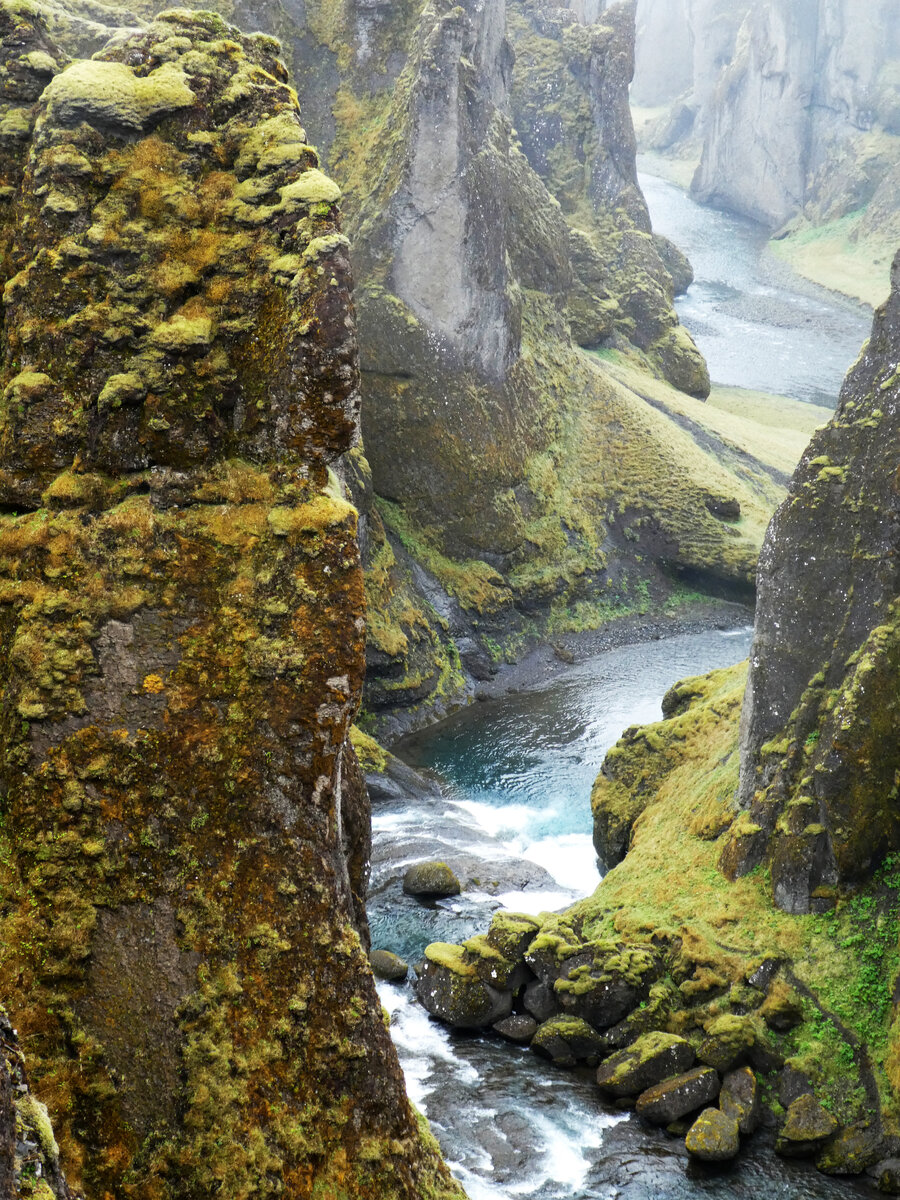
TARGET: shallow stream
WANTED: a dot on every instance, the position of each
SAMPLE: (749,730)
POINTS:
(512,809)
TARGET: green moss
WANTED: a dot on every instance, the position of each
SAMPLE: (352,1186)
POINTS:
(111,92)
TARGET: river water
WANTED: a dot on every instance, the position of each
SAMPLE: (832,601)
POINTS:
(757,324)
(512,812)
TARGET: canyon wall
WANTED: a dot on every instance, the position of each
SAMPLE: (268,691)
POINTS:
(185,827)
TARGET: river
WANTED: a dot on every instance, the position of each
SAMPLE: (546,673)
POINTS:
(512,809)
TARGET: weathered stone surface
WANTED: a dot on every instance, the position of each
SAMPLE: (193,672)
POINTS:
(676,1097)
(181,611)
(431,879)
(792,1084)
(605,981)
(448,986)
(853,1150)
(517,1028)
(728,1042)
(652,1058)
(739,1098)
(540,1000)
(386,965)
(806,1129)
(818,744)
(887,1176)
(713,1137)
(568,1040)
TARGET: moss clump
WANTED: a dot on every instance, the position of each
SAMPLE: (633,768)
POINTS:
(111,93)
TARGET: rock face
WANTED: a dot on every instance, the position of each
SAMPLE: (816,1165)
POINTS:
(181,610)
(806,113)
(819,723)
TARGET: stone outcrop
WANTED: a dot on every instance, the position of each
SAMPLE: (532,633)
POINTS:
(818,730)
(182,621)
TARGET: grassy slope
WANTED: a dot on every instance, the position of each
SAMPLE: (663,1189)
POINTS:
(669,882)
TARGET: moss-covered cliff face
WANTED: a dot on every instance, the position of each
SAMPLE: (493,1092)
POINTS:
(819,745)
(510,482)
(182,618)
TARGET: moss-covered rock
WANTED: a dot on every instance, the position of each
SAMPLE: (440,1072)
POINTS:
(807,1127)
(431,879)
(449,987)
(676,1097)
(728,1042)
(713,1137)
(387,965)
(567,1040)
(181,611)
(740,1098)
(648,1061)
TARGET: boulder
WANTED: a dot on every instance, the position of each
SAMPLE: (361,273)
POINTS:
(674,1098)
(649,1060)
(806,1129)
(603,983)
(887,1176)
(853,1151)
(782,1008)
(792,1084)
(729,1040)
(713,1137)
(450,989)
(568,1040)
(540,1000)
(739,1098)
(431,879)
(517,1028)
(386,965)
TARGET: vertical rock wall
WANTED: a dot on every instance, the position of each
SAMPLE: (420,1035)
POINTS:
(182,620)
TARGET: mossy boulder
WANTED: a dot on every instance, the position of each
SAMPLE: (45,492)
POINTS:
(887,1176)
(729,1039)
(853,1150)
(605,981)
(567,1040)
(433,879)
(806,1129)
(782,1008)
(740,1098)
(713,1137)
(674,1098)
(651,1059)
(387,965)
(448,986)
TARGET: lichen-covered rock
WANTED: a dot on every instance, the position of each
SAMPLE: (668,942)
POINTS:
(387,965)
(449,987)
(818,744)
(739,1098)
(853,1150)
(431,879)
(676,1097)
(713,1137)
(806,1129)
(605,981)
(887,1176)
(729,1040)
(648,1061)
(568,1040)
(181,615)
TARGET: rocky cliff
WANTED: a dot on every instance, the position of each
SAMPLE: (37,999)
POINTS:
(752,902)
(182,613)
(509,482)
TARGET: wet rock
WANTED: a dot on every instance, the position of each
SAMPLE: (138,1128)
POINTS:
(782,1008)
(760,977)
(887,1176)
(676,1097)
(431,879)
(517,1028)
(386,965)
(713,1137)
(540,1000)
(853,1151)
(650,1060)
(739,1098)
(728,1043)
(806,1129)
(448,986)
(792,1084)
(568,1040)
